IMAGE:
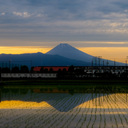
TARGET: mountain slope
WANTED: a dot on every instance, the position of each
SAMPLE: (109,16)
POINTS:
(68,51)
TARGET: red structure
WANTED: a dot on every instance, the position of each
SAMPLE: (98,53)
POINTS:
(36,69)
(53,68)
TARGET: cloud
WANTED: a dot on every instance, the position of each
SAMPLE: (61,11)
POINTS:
(3,13)
(22,14)
(64,20)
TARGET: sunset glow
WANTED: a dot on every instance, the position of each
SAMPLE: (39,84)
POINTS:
(112,53)
(23,49)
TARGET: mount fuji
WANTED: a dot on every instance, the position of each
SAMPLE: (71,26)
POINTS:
(70,52)
(66,50)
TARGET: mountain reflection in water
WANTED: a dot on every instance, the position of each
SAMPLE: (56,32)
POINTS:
(54,99)
(26,108)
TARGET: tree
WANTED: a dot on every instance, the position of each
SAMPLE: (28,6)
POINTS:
(51,70)
(45,70)
(24,69)
(15,70)
(42,70)
(71,68)
(5,70)
(32,69)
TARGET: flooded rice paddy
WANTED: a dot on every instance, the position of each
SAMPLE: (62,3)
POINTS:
(27,109)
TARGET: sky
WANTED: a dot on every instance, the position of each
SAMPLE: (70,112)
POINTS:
(43,24)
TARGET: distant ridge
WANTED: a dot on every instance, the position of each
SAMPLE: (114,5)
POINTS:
(38,59)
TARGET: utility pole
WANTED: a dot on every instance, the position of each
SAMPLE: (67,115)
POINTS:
(126,62)
(114,63)
(92,62)
(10,65)
(107,62)
(99,58)
(96,61)
(31,68)
(103,62)
(31,63)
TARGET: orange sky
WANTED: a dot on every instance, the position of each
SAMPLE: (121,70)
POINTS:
(113,53)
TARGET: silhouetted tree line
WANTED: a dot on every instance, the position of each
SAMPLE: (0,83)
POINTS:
(22,69)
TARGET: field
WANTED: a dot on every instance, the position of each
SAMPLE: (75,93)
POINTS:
(48,110)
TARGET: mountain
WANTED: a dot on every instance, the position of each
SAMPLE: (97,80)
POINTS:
(70,52)
(38,59)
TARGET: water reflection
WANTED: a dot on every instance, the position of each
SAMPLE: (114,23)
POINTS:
(55,100)
(34,109)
